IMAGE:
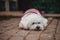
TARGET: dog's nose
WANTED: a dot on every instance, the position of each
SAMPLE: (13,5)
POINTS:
(38,27)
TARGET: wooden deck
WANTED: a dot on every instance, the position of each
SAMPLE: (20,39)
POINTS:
(9,30)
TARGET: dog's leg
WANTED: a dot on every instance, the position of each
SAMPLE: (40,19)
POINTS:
(20,25)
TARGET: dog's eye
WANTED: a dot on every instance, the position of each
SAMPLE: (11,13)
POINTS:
(38,22)
(33,23)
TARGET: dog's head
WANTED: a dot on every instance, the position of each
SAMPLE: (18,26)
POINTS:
(39,24)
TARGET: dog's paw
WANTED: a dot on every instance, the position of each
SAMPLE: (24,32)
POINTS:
(20,25)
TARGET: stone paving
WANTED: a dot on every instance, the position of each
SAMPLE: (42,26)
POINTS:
(9,30)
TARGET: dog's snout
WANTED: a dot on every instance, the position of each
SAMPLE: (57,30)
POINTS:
(37,27)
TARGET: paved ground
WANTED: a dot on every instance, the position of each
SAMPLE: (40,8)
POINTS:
(9,30)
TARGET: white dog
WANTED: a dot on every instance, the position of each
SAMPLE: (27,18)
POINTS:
(33,19)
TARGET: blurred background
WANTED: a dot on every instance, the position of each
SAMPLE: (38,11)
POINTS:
(48,6)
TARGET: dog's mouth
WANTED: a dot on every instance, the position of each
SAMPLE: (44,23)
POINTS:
(37,29)
(31,29)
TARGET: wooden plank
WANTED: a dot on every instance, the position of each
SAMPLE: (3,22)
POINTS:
(20,35)
(7,25)
(12,23)
(57,35)
(6,35)
(48,34)
(8,21)
(4,24)
(16,38)
(11,13)
(52,15)
(34,35)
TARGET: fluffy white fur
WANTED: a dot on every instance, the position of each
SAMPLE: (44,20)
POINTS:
(32,20)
